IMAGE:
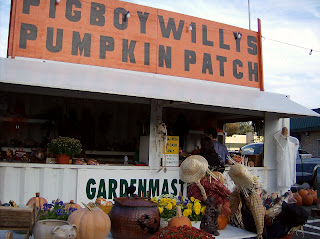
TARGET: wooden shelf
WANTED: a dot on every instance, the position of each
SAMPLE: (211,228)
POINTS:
(24,120)
(98,152)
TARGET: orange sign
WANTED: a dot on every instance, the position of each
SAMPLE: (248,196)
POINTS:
(133,37)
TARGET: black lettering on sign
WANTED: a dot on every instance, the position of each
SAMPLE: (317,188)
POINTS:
(146,54)
(127,50)
(207,64)
(253,71)
(97,14)
(73,16)
(222,60)
(27,4)
(116,18)
(49,44)
(52,9)
(27,32)
(193,32)
(83,45)
(238,40)
(205,36)
(104,46)
(189,58)
(143,17)
(164,56)
(236,74)
(252,45)
(171,27)
(221,41)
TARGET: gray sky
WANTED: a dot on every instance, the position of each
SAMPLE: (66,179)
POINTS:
(288,69)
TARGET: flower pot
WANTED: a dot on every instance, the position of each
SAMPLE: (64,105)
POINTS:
(63,159)
(43,228)
(196,224)
(163,223)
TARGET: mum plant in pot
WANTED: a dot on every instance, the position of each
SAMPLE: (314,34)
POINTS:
(64,148)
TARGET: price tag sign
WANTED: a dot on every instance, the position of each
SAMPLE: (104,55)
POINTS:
(172,151)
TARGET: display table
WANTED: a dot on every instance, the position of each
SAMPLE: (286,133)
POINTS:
(229,232)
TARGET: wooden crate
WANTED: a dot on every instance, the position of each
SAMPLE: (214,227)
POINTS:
(18,218)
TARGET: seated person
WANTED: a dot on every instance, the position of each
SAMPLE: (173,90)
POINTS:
(208,152)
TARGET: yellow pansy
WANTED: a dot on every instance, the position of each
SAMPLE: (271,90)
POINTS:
(186,212)
(174,202)
(192,199)
(203,210)
(168,200)
(189,205)
(197,206)
(197,211)
(196,201)
(169,206)
(154,199)
(160,209)
(162,200)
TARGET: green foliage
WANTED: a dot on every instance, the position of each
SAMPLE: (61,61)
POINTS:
(245,127)
(65,145)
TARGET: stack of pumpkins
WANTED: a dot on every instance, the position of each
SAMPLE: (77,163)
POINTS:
(306,197)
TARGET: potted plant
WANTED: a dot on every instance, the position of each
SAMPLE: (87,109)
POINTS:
(52,219)
(167,205)
(64,148)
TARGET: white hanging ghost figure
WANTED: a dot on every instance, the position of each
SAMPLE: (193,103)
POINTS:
(287,148)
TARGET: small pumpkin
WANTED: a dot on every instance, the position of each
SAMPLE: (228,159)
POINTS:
(92,223)
(222,221)
(38,200)
(298,198)
(307,200)
(72,204)
(302,192)
(179,219)
(315,199)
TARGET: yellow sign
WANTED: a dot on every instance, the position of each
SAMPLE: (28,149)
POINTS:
(172,145)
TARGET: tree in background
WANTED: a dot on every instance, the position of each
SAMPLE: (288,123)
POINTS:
(245,127)
(232,128)
(239,128)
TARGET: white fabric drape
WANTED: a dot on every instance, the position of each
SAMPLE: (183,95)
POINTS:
(287,148)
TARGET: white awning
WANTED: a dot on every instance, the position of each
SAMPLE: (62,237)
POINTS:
(69,76)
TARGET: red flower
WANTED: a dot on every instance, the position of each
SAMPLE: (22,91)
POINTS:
(183,232)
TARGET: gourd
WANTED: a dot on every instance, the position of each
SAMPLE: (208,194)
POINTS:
(179,219)
(222,221)
(38,200)
(307,200)
(92,223)
(298,198)
(72,204)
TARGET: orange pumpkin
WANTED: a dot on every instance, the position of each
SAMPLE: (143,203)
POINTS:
(72,204)
(222,221)
(298,198)
(303,192)
(38,200)
(179,220)
(315,199)
(307,200)
(92,223)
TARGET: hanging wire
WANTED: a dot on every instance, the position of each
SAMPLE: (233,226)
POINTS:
(302,47)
